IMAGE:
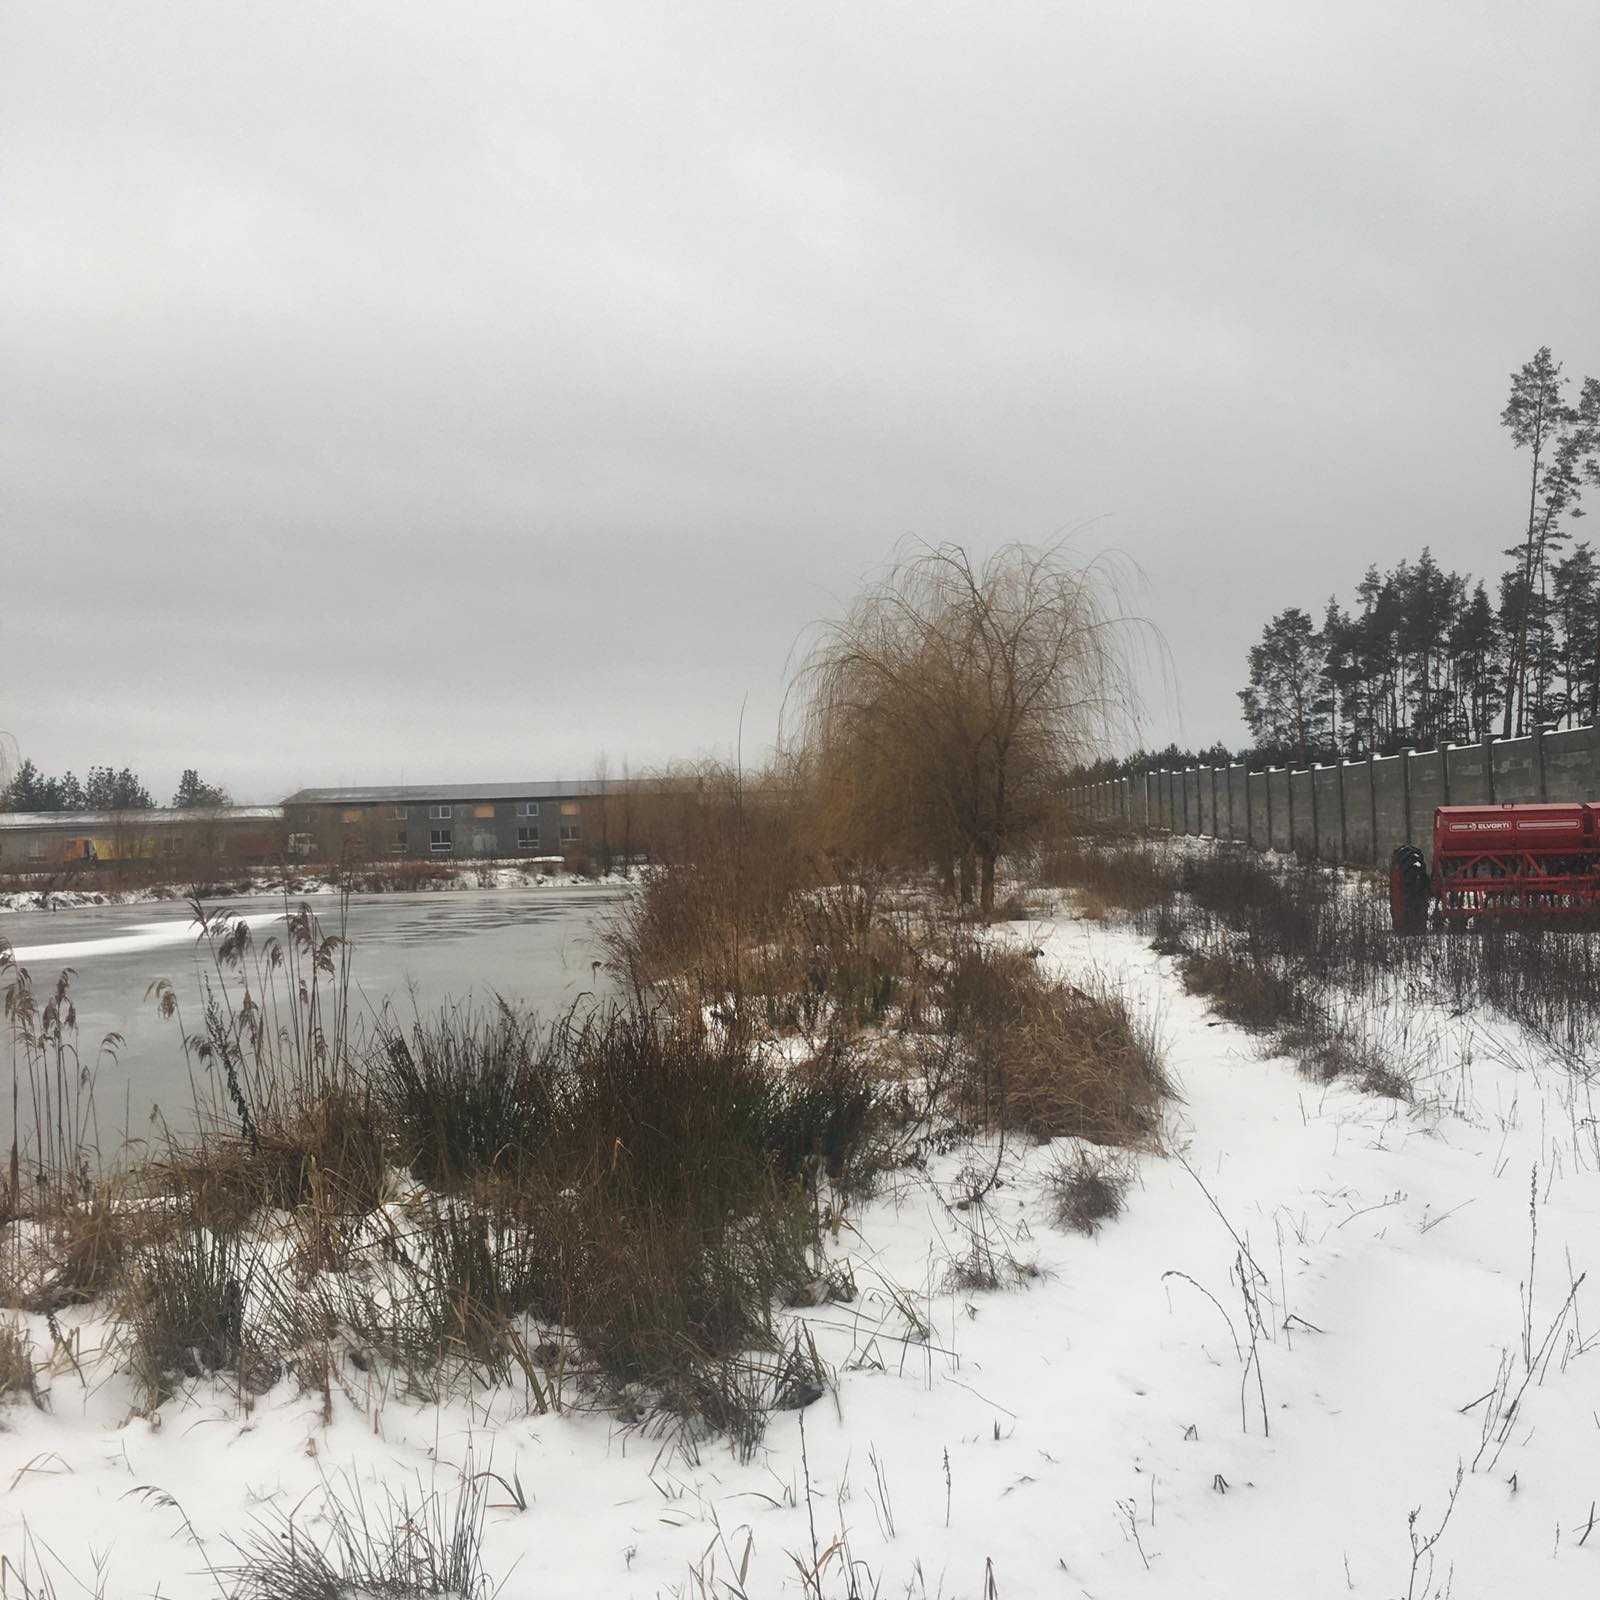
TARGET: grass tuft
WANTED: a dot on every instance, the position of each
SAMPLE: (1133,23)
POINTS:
(1088,1186)
(18,1378)
(186,1309)
(427,1548)
(466,1093)
(1049,1058)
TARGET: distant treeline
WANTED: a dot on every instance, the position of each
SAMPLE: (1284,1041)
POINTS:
(105,789)
(1174,758)
(1425,655)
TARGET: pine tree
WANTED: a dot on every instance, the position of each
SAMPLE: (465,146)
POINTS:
(1475,667)
(192,794)
(1284,702)
(1427,598)
(1575,587)
(106,790)
(31,790)
(1340,684)
(1542,423)
(1586,418)
(25,792)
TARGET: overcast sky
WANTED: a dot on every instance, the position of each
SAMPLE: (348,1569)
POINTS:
(397,392)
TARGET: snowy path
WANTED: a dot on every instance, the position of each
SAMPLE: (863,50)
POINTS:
(1098,1374)
(1037,1422)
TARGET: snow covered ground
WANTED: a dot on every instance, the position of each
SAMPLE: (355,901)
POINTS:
(1112,1428)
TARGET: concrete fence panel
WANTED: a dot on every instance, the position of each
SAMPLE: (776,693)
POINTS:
(1468,771)
(1572,763)
(1302,822)
(1328,813)
(1355,782)
(1255,809)
(1238,802)
(1389,802)
(1427,793)
(1514,776)
(1278,808)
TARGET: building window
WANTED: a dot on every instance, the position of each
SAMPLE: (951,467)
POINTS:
(439,841)
(441,813)
(352,816)
(527,838)
(399,813)
(569,833)
(400,840)
(570,808)
(528,808)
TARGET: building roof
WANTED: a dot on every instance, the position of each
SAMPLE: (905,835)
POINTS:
(424,793)
(158,816)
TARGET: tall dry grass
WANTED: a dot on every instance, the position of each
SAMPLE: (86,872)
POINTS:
(1050,1058)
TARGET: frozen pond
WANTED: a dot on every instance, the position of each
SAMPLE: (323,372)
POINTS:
(537,947)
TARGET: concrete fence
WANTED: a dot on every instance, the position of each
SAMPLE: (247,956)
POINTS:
(1351,811)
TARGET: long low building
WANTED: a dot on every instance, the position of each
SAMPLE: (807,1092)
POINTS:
(31,840)
(450,819)
(416,821)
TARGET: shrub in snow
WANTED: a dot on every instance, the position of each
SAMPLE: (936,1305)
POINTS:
(1088,1186)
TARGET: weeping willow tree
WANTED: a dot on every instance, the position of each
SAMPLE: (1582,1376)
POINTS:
(942,710)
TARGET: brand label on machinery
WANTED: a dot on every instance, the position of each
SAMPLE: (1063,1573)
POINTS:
(1563,825)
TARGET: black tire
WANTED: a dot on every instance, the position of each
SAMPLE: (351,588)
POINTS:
(1408,890)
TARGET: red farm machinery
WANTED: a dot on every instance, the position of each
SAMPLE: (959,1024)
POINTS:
(1496,862)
